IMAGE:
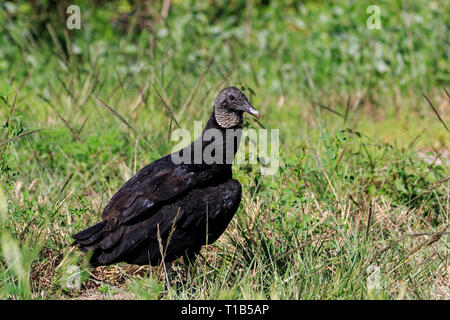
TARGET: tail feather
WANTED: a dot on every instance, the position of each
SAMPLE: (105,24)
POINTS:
(107,246)
(88,238)
(129,240)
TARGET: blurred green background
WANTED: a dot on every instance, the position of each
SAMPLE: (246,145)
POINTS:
(291,51)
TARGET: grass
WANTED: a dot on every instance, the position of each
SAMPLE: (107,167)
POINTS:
(363,189)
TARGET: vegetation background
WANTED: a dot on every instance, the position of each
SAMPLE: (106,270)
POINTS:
(360,208)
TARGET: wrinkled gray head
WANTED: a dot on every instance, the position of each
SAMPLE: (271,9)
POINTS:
(230,104)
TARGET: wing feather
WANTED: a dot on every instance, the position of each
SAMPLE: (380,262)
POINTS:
(154,185)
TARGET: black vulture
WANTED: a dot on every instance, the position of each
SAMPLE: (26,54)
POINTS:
(178,203)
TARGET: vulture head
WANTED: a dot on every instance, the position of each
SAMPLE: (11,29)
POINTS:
(229,107)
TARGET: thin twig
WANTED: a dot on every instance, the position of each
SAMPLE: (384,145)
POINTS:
(448,95)
(20,136)
(161,250)
(167,107)
(66,123)
(437,114)
(122,119)
(328,108)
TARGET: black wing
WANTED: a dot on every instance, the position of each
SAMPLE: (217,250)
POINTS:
(154,188)
(151,187)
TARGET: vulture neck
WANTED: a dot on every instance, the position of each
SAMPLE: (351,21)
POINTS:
(213,122)
(218,143)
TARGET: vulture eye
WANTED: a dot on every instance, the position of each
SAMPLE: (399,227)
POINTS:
(231,97)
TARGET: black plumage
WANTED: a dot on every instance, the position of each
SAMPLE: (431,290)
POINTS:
(177,206)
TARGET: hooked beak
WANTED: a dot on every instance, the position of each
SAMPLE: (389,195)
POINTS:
(249,108)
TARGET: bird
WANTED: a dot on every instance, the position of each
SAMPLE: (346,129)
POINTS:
(177,204)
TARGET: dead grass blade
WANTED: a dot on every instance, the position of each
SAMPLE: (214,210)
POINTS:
(448,95)
(58,46)
(433,238)
(328,108)
(437,113)
(197,85)
(122,119)
(114,113)
(347,109)
(72,164)
(415,139)
(169,111)
(161,250)
(40,161)
(74,134)
(20,136)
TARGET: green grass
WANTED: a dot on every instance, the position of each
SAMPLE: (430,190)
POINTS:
(354,192)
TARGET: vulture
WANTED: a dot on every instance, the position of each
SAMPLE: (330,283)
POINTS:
(178,203)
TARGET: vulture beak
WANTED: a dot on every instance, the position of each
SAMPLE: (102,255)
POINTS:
(249,109)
